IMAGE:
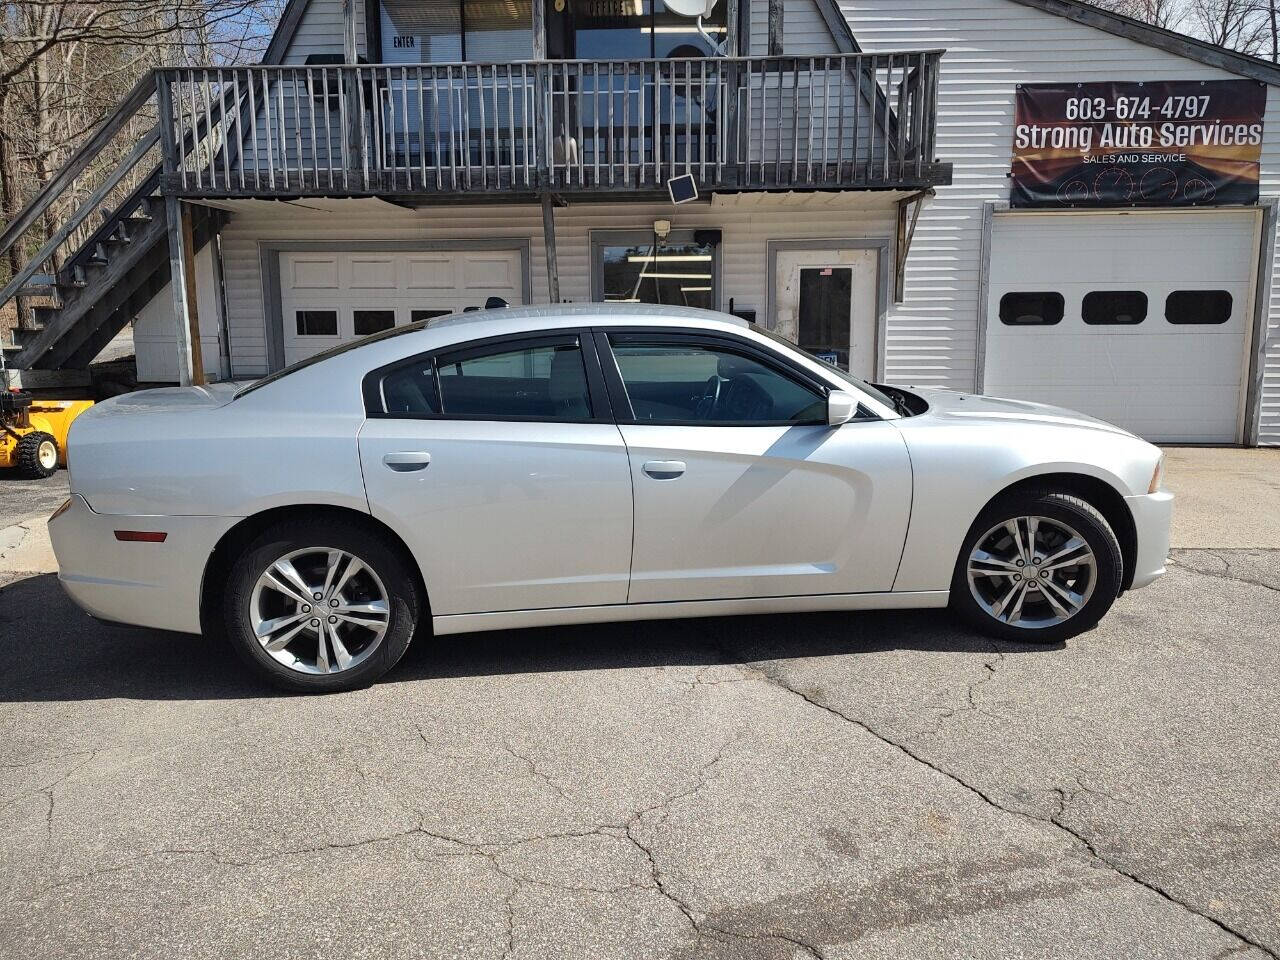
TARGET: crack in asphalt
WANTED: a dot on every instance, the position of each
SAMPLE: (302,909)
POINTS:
(1055,819)
(1227,573)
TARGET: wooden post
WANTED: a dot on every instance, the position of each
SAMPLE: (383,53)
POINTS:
(539,29)
(347,89)
(549,243)
(775,28)
(733,80)
(349,49)
(178,286)
(193,313)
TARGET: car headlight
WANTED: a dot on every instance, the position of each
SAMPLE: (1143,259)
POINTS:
(1157,476)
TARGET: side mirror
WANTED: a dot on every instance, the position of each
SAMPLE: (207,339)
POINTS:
(841,407)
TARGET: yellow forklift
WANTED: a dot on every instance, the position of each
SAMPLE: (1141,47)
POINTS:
(33,431)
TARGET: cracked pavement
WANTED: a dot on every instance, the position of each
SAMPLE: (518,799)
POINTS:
(822,786)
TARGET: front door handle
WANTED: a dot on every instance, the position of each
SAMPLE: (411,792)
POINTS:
(665,469)
(407,460)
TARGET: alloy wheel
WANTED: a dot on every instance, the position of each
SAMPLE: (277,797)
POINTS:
(1032,572)
(319,610)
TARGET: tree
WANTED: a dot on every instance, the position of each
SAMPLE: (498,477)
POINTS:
(66,64)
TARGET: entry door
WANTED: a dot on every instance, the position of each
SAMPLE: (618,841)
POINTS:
(826,303)
(505,475)
(741,488)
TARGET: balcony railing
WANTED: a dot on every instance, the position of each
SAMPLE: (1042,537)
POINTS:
(831,122)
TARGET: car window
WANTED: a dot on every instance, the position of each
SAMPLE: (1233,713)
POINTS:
(539,381)
(704,383)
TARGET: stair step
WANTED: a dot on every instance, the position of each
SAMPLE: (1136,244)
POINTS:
(43,315)
(78,277)
(45,297)
(99,256)
(120,235)
(18,338)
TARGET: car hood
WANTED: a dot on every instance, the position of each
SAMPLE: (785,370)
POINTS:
(970,407)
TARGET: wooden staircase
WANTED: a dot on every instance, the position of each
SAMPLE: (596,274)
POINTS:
(84,285)
(108,280)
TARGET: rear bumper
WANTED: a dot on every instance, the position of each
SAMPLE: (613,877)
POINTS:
(1153,520)
(144,584)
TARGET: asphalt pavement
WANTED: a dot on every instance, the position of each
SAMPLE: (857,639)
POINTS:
(836,786)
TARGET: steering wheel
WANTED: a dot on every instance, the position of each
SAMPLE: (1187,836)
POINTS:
(744,399)
(710,398)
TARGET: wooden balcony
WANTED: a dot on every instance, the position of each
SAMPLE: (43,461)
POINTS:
(849,122)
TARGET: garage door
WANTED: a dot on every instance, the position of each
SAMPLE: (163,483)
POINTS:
(1140,319)
(327,298)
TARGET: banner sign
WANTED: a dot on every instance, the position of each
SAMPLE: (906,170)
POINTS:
(1170,143)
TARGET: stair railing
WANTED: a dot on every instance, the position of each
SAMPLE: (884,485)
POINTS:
(121,124)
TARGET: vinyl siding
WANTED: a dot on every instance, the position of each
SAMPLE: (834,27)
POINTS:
(320,30)
(746,227)
(991,46)
(804,32)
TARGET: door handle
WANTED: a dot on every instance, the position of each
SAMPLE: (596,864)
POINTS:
(407,460)
(664,469)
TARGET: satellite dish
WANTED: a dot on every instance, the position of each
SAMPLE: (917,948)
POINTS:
(697,9)
(691,8)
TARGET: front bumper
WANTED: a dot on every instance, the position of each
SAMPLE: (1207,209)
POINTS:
(1153,521)
(144,584)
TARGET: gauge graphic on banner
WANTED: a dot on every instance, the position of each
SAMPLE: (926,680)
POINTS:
(1153,144)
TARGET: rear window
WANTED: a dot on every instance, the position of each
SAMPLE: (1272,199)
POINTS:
(326,354)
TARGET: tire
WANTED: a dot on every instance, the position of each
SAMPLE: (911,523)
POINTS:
(259,593)
(985,586)
(37,455)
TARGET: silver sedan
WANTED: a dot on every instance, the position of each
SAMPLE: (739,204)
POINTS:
(584,464)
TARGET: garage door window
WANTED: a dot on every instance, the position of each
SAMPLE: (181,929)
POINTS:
(417,315)
(1031,309)
(1114,307)
(1198,306)
(373,321)
(317,323)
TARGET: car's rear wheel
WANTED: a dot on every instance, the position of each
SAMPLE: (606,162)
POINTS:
(320,606)
(1037,566)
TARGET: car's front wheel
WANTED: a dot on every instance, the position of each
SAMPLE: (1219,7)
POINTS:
(1037,566)
(320,606)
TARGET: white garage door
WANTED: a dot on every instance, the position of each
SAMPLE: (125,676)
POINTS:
(1141,319)
(327,298)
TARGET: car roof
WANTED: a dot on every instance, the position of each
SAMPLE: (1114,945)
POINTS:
(595,313)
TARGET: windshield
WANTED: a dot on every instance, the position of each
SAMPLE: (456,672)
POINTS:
(848,378)
(332,352)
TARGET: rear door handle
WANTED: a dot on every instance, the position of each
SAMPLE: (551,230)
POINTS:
(406,461)
(664,469)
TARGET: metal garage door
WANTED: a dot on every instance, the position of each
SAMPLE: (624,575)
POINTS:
(329,297)
(1138,318)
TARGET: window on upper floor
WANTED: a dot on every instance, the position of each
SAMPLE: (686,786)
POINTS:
(450,31)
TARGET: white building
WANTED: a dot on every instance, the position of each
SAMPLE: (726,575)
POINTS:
(854,193)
